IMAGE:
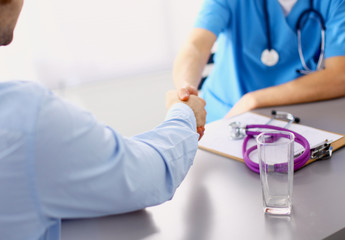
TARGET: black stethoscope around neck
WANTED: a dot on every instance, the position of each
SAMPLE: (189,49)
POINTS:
(270,56)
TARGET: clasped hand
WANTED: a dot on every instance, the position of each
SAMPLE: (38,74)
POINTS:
(196,103)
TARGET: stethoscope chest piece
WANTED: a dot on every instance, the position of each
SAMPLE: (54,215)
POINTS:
(269,57)
(237,131)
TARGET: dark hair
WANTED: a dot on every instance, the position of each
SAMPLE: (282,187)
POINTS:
(5,1)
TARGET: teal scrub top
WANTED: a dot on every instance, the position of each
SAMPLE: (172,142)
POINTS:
(241,29)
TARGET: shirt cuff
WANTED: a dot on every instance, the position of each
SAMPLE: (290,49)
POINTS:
(182,111)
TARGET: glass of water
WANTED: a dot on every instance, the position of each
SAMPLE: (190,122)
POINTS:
(276,159)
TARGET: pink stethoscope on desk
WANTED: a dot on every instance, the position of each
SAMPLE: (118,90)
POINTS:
(322,151)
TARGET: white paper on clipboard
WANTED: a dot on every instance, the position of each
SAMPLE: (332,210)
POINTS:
(217,135)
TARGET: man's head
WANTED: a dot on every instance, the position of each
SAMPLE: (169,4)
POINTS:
(9,12)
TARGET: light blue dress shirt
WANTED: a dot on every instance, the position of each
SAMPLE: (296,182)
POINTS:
(57,161)
(241,29)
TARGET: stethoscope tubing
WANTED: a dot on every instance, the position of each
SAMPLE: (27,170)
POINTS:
(322,47)
(299,162)
(306,69)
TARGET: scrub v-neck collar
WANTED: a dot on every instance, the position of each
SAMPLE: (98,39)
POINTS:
(291,19)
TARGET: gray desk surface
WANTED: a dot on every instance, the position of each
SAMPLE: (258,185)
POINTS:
(221,199)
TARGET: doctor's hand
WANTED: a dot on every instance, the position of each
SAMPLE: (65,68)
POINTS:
(245,104)
(196,103)
(186,91)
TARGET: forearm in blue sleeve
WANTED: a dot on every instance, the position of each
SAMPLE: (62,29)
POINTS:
(84,168)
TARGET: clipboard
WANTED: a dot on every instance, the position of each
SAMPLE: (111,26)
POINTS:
(217,136)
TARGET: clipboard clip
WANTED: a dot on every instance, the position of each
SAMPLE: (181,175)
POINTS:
(322,151)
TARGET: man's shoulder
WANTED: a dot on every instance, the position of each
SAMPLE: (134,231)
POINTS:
(22,92)
(19,103)
(21,87)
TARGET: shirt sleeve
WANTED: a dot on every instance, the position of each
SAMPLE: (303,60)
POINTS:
(335,30)
(86,169)
(213,16)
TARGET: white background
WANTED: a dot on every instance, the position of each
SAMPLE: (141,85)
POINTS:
(68,42)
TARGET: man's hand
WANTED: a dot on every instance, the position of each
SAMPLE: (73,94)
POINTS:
(196,103)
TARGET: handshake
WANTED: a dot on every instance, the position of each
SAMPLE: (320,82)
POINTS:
(196,103)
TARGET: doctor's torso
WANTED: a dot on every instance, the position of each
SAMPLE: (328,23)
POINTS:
(242,39)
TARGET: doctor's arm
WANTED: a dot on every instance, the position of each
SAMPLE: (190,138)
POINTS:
(321,85)
(191,60)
